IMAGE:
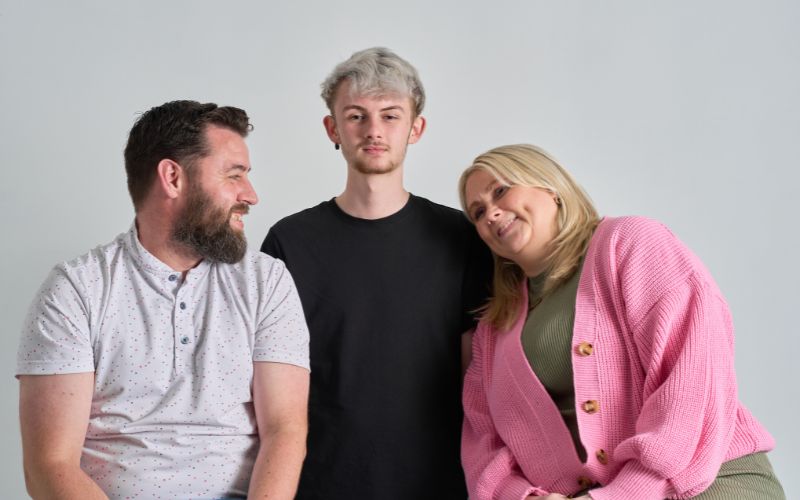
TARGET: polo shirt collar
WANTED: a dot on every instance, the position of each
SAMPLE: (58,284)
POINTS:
(150,264)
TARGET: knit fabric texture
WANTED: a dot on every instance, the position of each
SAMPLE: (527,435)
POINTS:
(655,395)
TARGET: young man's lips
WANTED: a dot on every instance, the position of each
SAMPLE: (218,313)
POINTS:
(374,148)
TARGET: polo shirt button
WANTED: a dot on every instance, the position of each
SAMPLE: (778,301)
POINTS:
(172,277)
(183,305)
(591,406)
(584,482)
(602,456)
(585,349)
(185,340)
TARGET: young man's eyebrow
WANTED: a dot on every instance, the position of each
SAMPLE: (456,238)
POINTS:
(354,106)
(394,107)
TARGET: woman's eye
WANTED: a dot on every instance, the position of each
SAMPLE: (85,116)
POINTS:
(500,191)
(477,214)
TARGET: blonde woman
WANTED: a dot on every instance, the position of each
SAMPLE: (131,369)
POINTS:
(603,364)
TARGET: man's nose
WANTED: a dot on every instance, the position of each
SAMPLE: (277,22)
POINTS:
(374,130)
(248,194)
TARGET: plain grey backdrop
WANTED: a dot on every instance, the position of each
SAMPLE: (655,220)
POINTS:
(684,111)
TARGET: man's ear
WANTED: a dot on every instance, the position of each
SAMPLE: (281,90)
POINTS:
(329,122)
(171,178)
(417,129)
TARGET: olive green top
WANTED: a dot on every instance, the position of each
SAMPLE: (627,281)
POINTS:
(546,340)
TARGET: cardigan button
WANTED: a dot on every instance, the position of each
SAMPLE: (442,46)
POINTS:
(591,406)
(585,349)
(602,456)
(584,482)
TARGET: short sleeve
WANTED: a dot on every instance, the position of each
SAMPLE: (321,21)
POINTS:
(271,246)
(282,334)
(56,334)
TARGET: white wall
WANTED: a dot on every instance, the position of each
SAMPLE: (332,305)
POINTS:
(685,111)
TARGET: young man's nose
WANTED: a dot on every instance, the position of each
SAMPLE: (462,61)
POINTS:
(374,130)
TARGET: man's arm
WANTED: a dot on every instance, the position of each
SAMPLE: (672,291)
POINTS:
(54,414)
(280,399)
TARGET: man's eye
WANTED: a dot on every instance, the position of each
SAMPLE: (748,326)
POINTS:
(355,118)
(391,117)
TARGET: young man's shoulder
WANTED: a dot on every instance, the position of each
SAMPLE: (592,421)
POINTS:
(438,209)
(442,216)
(305,216)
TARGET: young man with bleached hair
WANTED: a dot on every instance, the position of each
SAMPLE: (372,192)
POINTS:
(170,363)
(388,282)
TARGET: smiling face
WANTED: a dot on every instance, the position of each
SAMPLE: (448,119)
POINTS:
(373,131)
(219,195)
(516,222)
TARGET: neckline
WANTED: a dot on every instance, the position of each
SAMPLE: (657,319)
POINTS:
(389,219)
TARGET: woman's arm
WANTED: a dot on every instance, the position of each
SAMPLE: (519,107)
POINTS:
(489,466)
(683,336)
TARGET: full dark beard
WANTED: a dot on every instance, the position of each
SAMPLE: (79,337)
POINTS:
(206,229)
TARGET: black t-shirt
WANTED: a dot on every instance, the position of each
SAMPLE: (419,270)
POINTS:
(386,303)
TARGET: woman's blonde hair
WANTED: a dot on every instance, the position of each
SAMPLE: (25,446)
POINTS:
(527,165)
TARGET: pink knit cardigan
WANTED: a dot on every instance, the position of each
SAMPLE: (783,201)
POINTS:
(655,389)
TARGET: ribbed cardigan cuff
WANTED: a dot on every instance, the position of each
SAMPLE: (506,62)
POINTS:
(634,481)
(517,488)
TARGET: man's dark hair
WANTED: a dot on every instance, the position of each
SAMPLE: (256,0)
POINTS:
(175,131)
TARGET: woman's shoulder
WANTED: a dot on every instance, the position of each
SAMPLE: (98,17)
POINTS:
(484,330)
(634,237)
(632,227)
(642,255)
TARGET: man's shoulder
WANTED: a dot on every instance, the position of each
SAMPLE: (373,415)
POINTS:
(437,209)
(254,264)
(96,259)
(442,215)
(82,279)
(311,215)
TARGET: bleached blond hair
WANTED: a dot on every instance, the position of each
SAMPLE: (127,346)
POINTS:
(527,165)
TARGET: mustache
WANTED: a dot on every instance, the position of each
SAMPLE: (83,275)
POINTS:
(240,208)
(373,144)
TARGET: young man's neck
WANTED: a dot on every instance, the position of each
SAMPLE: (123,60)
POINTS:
(373,196)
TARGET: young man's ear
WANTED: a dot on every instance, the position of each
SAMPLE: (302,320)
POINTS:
(417,129)
(329,122)
(170,178)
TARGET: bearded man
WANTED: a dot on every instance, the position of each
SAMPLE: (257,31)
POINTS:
(171,362)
